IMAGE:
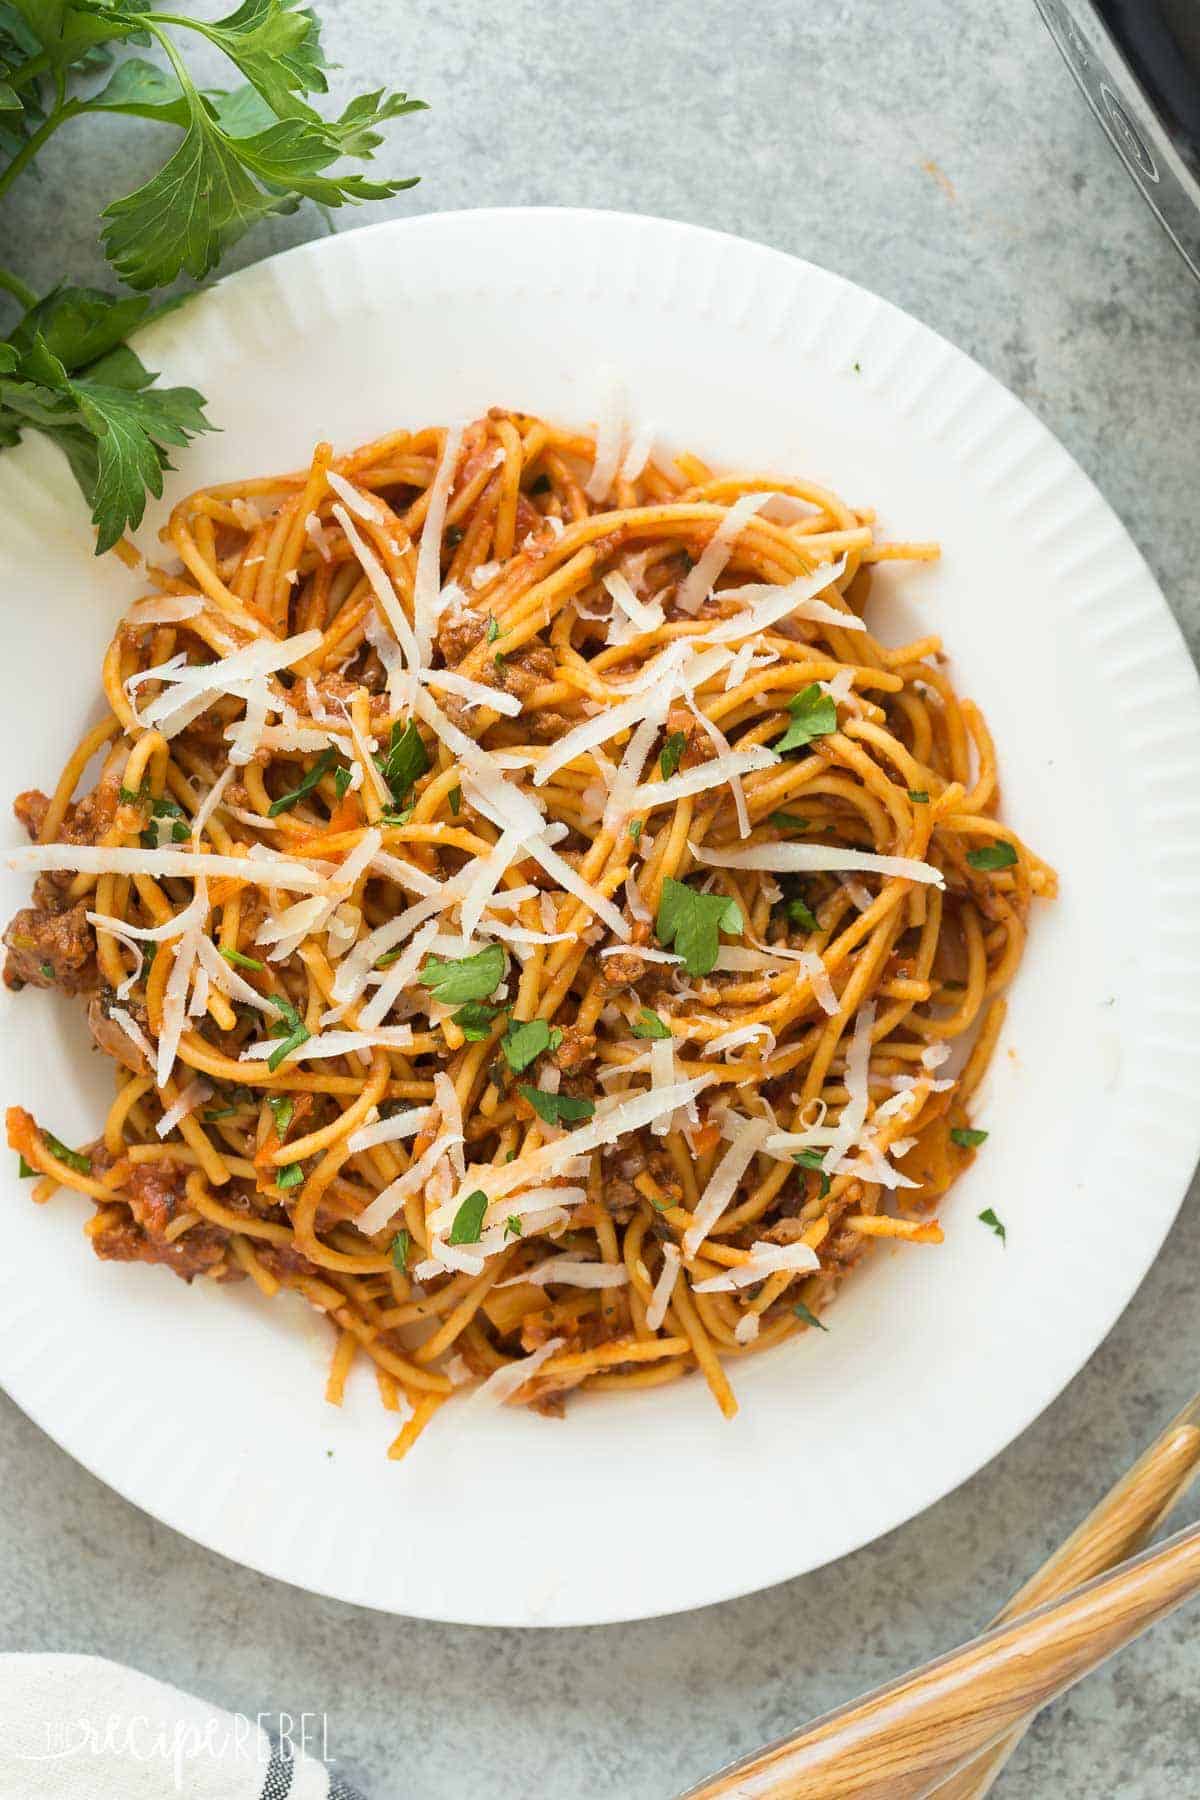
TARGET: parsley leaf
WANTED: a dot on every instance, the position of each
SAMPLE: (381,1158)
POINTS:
(493,630)
(282,1107)
(513,1226)
(115,428)
(786,821)
(672,754)
(999,855)
(475,1020)
(455,799)
(967,1140)
(23,1169)
(306,785)
(406,761)
(401,1245)
(290,1176)
(988,1217)
(289,1026)
(526,1039)
(814,1159)
(809,1318)
(468,1220)
(693,922)
(649,1025)
(918,796)
(223,178)
(74,1159)
(799,914)
(814,715)
(557,1109)
(343,775)
(466,977)
(635,828)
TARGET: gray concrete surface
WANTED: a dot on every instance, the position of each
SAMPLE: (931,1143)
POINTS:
(936,151)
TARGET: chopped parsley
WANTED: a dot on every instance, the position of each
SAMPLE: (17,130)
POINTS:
(23,1169)
(134,796)
(808,1318)
(343,775)
(475,1020)
(468,1220)
(513,1226)
(967,1140)
(540,484)
(649,1025)
(671,754)
(391,816)
(786,821)
(814,1159)
(635,828)
(290,1176)
(406,761)
(305,786)
(455,799)
(48,970)
(814,715)
(987,1217)
(526,1039)
(693,923)
(493,629)
(213,1113)
(918,796)
(74,1159)
(801,915)
(401,1245)
(243,962)
(999,855)
(290,1027)
(168,825)
(499,663)
(557,1109)
(282,1108)
(465,977)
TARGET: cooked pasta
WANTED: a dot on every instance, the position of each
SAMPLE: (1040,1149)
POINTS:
(531,914)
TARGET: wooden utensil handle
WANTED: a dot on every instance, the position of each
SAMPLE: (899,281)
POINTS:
(1119,1526)
(893,1744)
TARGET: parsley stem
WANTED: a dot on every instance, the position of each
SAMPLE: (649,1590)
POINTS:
(41,136)
(12,284)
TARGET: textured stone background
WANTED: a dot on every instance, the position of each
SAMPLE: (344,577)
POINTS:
(936,151)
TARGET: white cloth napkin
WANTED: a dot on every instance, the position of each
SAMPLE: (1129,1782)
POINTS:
(80,1728)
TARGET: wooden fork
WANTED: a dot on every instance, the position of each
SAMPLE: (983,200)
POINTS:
(946,1729)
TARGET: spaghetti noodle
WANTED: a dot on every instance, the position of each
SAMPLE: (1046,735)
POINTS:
(533,918)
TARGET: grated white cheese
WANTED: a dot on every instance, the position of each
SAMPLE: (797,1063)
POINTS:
(765,605)
(722,1185)
(428,581)
(697,585)
(610,440)
(572,1274)
(664,1287)
(809,858)
(818,976)
(133,1031)
(503,1384)
(765,1259)
(363,506)
(170,609)
(475,693)
(194,1094)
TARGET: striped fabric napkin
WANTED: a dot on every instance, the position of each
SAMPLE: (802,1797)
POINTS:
(80,1728)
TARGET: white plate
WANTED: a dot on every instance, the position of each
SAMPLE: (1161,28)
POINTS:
(205,1407)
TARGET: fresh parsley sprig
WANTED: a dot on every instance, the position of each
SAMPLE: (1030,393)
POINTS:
(245,153)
